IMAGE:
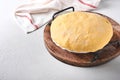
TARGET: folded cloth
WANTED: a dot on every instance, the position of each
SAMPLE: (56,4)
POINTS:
(33,15)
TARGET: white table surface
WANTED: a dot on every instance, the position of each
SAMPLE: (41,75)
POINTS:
(24,57)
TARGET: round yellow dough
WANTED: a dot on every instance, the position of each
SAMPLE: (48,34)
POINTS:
(81,32)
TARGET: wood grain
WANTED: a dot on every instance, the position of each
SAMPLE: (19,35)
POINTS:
(85,60)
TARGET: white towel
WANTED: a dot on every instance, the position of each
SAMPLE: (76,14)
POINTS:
(36,13)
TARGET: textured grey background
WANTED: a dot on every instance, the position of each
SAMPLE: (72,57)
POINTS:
(24,57)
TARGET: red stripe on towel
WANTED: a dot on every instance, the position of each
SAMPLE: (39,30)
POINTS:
(36,26)
(90,5)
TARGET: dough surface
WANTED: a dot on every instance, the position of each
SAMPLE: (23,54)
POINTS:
(81,32)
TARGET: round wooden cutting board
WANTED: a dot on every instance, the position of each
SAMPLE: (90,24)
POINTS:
(109,52)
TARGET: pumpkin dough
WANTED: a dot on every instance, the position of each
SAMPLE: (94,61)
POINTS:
(81,32)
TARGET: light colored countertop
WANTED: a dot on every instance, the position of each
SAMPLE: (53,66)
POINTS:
(24,57)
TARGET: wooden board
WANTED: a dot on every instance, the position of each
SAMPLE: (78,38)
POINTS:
(109,52)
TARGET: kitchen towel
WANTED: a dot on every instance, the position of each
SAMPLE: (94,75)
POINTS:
(33,15)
